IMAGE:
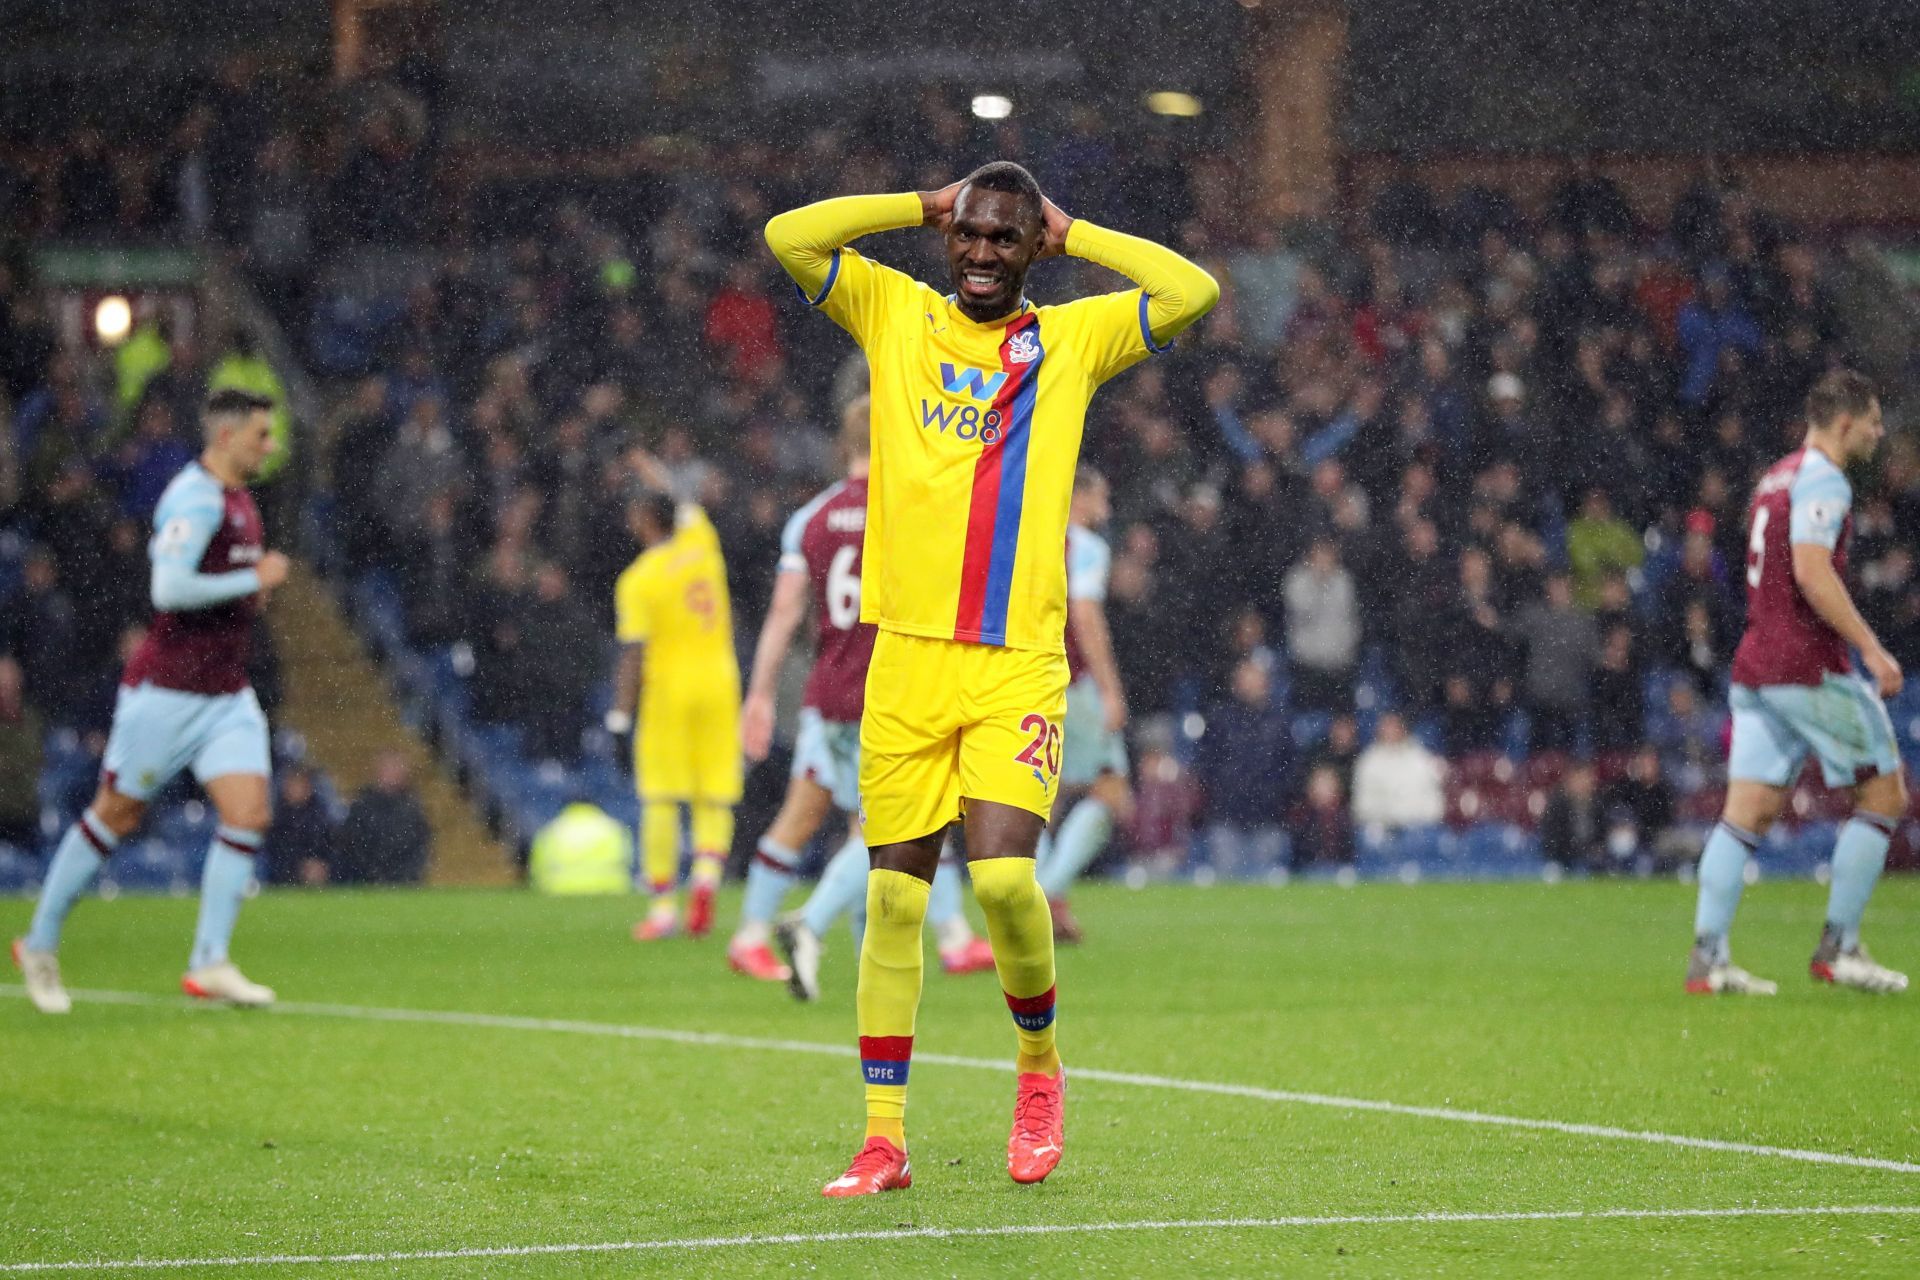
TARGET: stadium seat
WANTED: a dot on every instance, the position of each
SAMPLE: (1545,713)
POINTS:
(1310,729)
(148,865)
(19,870)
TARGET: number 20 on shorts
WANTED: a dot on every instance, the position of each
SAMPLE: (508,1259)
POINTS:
(1044,751)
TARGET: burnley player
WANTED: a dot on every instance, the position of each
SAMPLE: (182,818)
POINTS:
(820,568)
(1094,794)
(1794,692)
(979,401)
(184,702)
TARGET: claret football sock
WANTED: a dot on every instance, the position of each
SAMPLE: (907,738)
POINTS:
(1021,930)
(82,852)
(889,997)
(1723,870)
(223,884)
(1858,858)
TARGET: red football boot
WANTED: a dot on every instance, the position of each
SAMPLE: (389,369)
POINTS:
(975,957)
(880,1166)
(699,910)
(1039,1126)
(757,961)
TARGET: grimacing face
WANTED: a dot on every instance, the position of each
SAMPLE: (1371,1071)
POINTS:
(992,239)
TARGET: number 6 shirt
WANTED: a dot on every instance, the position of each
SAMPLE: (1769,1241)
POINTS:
(823,540)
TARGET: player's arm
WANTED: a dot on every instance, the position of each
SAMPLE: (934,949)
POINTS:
(1096,646)
(807,240)
(626,689)
(1820,583)
(1176,292)
(177,584)
(784,616)
(632,625)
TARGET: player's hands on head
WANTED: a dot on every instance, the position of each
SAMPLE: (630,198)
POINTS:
(1888,678)
(756,727)
(1054,223)
(936,207)
(272,569)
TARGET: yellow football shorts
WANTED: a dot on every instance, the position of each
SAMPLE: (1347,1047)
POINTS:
(687,747)
(946,722)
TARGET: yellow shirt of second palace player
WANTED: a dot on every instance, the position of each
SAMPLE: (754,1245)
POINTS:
(976,433)
(673,599)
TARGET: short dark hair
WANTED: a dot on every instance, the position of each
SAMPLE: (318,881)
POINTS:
(236,400)
(1842,392)
(1005,175)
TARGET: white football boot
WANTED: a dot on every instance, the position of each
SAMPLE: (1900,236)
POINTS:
(801,946)
(224,982)
(1708,975)
(40,971)
(1853,968)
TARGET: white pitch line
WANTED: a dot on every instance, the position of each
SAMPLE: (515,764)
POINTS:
(715,1039)
(962,1233)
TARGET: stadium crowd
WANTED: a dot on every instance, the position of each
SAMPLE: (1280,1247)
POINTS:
(1436,482)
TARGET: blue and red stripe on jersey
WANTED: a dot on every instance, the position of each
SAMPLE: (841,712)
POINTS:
(999,494)
(884,1059)
(1032,1013)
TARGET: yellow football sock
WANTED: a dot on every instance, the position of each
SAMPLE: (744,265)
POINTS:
(660,845)
(1021,930)
(712,840)
(889,997)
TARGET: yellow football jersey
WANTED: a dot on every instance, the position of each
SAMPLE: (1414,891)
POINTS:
(975,427)
(673,599)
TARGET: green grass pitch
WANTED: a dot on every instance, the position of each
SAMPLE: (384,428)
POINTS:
(138,1128)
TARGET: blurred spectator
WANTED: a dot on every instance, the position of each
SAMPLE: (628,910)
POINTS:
(563,647)
(1599,543)
(1321,828)
(1573,831)
(44,628)
(1713,327)
(434,576)
(1640,809)
(1244,760)
(1167,800)
(1398,783)
(1618,696)
(20,757)
(1688,738)
(385,838)
(1563,645)
(299,844)
(1338,751)
(279,232)
(1323,627)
